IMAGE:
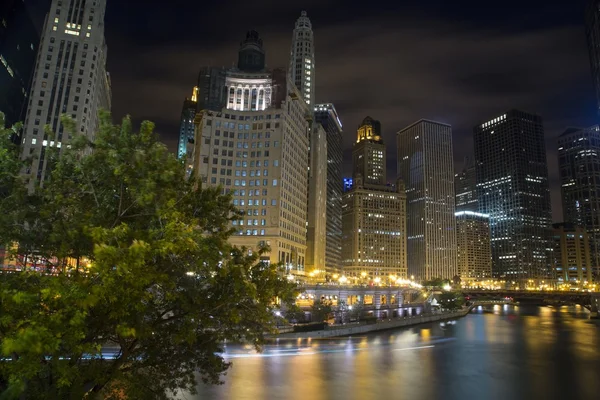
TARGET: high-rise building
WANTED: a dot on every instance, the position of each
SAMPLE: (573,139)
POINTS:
(373,215)
(70,78)
(592,33)
(579,169)
(212,93)
(473,246)
(426,165)
(256,147)
(186,124)
(368,154)
(572,255)
(465,187)
(19,43)
(512,185)
(316,224)
(327,116)
(302,59)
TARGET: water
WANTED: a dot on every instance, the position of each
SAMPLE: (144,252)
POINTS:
(504,353)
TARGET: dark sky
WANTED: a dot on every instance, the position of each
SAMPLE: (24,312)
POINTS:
(459,62)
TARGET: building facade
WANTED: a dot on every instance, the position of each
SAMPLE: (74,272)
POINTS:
(373,215)
(572,255)
(186,124)
(326,115)
(302,59)
(473,246)
(592,33)
(513,189)
(368,154)
(70,78)
(465,187)
(19,44)
(256,147)
(426,165)
(579,170)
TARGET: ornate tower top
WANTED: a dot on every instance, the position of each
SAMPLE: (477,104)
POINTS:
(251,56)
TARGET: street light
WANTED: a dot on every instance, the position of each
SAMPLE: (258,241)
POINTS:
(343,279)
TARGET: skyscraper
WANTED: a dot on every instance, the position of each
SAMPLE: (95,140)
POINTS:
(70,78)
(473,246)
(327,116)
(19,43)
(302,59)
(426,165)
(186,124)
(465,187)
(592,33)
(579,169)
(368,154)
(512,185)
(256,147)
(373,214)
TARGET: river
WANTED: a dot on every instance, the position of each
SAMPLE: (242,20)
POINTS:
(501,352)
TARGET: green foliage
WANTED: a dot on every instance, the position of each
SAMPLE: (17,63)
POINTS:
(436,282)
(295,314)
(320,311)
(451,300)
(141,268)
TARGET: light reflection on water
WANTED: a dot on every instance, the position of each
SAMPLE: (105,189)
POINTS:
(495,353)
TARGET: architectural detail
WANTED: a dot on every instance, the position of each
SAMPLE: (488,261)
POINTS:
(19,43)
(373,215)
(465,187)
(326,115)
(186,125)
(473,246)
(579,169)
(426,165)
(302,59)
(512,174)
(258,155)
(70,78)
(572,261)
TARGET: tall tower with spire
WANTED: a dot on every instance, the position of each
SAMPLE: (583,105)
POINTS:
(302,59)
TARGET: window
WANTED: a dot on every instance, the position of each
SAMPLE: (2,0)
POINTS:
(273,202)
(274,182)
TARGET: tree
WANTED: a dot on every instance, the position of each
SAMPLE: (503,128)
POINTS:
(451,300)
(436,282)
(295,314)
(139,286)
(320,311)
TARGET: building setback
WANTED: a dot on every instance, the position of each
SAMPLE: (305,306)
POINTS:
(373,215)
(186,124)
(512,185)
(70,78)
(426,166)
(579,169)
(473,249)
(572,261)
(256,148)
(19,43)
(327,116)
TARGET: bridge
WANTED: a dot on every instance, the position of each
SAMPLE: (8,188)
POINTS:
(591,301)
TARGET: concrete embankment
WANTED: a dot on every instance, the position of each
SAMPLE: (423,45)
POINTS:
(347,330)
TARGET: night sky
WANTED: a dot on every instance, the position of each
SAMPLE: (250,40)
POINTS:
(458,62)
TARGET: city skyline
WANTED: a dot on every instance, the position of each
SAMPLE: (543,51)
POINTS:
(527,43)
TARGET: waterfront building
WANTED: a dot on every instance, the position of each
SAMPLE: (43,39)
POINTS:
(513,189)
(473,246)
(572,254)
(426,165)
(256,148)
(373,214)
(326,115)
(579,171)
(70,78)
